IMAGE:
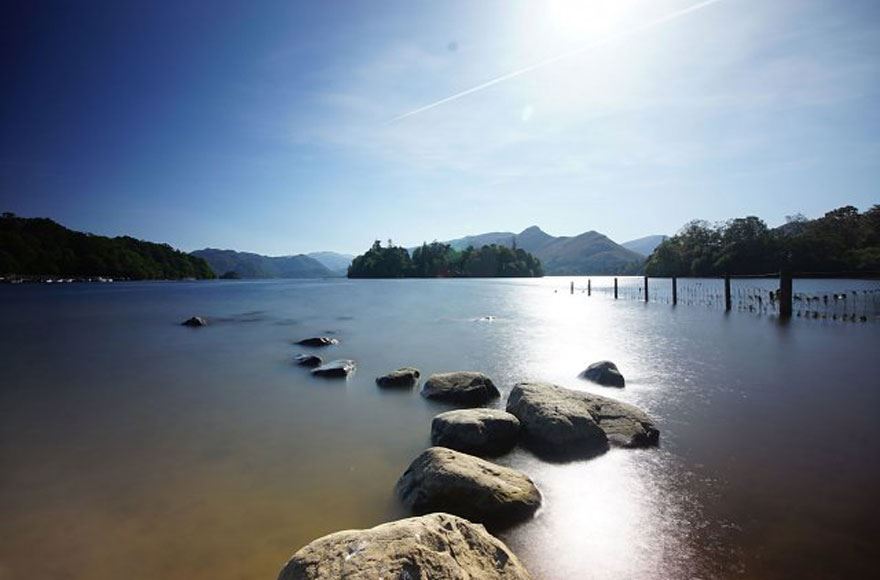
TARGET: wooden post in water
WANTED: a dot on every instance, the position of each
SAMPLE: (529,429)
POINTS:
(785,295)
(615,288)
(728,303)
(646,288)
(589,290)
(674,290)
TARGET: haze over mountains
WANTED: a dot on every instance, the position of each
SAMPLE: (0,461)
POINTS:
(644,246)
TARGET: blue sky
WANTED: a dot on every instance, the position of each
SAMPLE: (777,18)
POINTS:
(267,126)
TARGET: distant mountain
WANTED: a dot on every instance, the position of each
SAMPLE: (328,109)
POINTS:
(42,247)
(644,246)
(333,260)
(588,253)
(248,265)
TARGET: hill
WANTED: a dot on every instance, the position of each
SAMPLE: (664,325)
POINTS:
(333,260)
(42,247)
(645,246)
(587,253)
(248,265)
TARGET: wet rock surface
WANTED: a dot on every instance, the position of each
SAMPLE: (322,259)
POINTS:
(604,373)
(442,479)
(318,341)
(476,431)
(464,387)
(401,378)
(436,546)
(335,369)
(564,423)
(308,360)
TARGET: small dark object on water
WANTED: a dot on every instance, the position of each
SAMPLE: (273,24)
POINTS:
(318,341)
(335,369)
(604,373)
(402,377)
(195,322)
(308,360)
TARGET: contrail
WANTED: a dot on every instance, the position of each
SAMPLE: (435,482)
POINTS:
(542,63)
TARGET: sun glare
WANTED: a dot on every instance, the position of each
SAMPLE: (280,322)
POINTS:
(585,20)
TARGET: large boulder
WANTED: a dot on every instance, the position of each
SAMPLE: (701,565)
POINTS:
(318,341)
(467,388)
(476,431)
(445,480)
(605,373)
(335,369)
(402,377)
(436,546)
(565,423)
(195,322)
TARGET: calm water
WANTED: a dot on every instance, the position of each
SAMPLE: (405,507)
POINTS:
(131,447)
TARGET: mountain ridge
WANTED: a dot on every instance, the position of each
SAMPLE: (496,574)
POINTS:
(251,265)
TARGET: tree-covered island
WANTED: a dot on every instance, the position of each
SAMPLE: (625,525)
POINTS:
(438,260)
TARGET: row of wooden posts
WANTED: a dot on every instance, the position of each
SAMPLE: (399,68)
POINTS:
(784,295)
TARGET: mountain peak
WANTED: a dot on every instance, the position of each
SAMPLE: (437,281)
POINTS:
(532,230)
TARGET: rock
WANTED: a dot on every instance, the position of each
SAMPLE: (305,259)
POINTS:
(605,373)
(565,423)
(337,368)
(308,360)
(466,388)
(195,322)
(402,377)
(445,480)
(318,341)
(436,546)
(476,431)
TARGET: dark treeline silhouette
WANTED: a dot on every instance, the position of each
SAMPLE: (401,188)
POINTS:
(438,260)
(843,240)
(41,247)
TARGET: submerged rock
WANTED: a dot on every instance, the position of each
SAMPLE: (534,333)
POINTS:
(195,322)
(477,431)
(468,388)
(445,480)
(402,377)
(337,368)
(308,360)
(565,423)
(318,341)
(605,373)
(436,546)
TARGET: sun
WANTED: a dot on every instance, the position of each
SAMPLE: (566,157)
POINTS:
(585,20)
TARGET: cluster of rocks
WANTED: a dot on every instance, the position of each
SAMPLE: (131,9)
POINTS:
(453,479)
(339,368)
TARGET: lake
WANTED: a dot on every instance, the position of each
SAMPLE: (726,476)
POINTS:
(132,447)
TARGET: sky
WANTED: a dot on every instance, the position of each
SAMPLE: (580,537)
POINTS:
(285,127)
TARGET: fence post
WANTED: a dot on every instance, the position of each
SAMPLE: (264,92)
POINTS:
(785,294)
(646,288)
(589,290)
(572,286)
(615,288)
(674,290)
(728,303)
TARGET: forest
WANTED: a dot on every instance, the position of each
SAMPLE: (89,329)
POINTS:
(842,241)
(41,247)
(439,260)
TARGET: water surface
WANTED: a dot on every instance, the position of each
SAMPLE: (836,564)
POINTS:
(131,447)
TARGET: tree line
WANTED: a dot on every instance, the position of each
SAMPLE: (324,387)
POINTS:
(41,247)
(438,260)
(843,240)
